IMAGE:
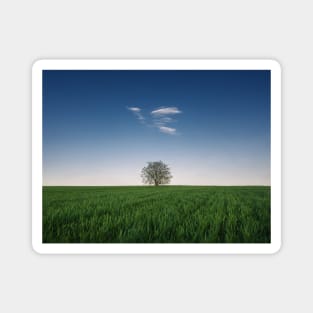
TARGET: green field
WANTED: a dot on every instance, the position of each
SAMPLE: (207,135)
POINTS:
(167,214)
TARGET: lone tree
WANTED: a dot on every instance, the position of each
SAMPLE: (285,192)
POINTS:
(156,173)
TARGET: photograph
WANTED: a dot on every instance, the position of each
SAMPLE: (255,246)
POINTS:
(156,156)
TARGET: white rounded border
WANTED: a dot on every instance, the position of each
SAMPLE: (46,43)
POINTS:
(176,64)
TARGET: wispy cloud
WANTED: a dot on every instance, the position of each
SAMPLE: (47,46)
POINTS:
(134,109)
(166,111)
(159,118)
(137,112)
(167,130)
(166,119)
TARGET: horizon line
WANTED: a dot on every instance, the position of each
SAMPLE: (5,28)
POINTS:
(154,185)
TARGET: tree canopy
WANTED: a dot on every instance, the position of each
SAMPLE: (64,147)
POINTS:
(157,173)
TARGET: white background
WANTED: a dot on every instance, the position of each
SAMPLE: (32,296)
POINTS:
(30,30)
(115,64)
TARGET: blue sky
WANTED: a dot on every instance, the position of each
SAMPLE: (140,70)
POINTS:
(101,127)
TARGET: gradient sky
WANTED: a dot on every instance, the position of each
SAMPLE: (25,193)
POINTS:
(101,127)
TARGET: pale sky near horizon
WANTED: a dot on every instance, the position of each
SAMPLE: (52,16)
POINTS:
(101,127)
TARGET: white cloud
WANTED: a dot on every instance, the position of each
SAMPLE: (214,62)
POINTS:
(167,130)
(159,119)
(137,112)
(162,120)
(166,119)
(134,109)
(165,111)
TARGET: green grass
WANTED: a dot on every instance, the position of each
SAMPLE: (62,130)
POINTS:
(167,214)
